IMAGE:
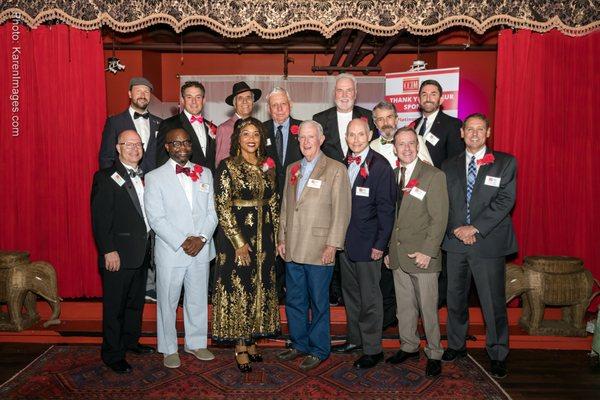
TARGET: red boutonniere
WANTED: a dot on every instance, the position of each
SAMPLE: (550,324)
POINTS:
(268,164)
(294,174)
(196,172)
(364,171)
(294,129)
(213,129)
(487,159)
(411,184)
(398,163)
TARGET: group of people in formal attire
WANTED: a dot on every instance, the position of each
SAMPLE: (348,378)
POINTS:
(405,217)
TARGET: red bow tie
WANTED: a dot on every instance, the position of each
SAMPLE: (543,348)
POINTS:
(179,169)
(353,159)
(195,118)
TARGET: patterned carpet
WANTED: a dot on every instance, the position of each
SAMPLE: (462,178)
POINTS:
(76,372)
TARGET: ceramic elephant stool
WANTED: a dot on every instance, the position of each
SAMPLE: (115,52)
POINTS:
(551,281)
(21,282)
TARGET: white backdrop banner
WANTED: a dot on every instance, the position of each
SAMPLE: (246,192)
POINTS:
(402,90)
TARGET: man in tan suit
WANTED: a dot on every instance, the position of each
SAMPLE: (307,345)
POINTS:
(315,212)
(414,251)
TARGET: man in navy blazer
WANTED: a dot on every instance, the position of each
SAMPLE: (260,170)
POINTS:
(135,118)
(371,223)
(482,190)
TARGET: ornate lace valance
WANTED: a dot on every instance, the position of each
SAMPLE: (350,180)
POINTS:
(279,18)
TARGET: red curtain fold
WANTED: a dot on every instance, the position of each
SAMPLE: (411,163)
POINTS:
(546,91)
(58,105)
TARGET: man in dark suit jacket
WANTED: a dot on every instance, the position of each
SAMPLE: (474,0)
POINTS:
(123,238)
(335,119)
(482,191)
(136,118)
(441,134)
(367,238)
(202,132)
(282,146)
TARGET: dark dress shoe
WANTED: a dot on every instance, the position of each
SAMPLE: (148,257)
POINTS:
(368,361)
(120,367)
(141,349)
(451,354)
(498,369)
(345,348)
(433,368)
(289,355)
(401,356)
(310,362)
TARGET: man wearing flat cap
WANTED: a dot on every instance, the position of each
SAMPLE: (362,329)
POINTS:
(135,118)
(242,99)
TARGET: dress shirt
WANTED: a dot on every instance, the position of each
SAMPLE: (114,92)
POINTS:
(354,168)
(306,168)
(139,191)
(343,119)
(185,181)
(478,156)
(285,128)
(409,170)
(200,131)
(430,120)
(142,126)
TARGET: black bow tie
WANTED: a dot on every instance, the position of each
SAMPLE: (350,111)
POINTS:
(137,115)
(133,173)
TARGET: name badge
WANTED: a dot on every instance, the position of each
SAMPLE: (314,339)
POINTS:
(204,187)
(314,183)
(362,191)
(118,178)
(492,181)
(268,141)
(418,193)
(431,138)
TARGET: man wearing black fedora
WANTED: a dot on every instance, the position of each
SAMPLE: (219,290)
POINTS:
(242,99)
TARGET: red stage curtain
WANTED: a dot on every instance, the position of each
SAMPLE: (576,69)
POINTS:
(57,79)
(546,104)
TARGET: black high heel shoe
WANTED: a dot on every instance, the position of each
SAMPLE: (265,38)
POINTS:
(256,357)
(243,367)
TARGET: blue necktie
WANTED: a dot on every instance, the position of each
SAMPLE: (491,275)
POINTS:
(471,175)
(423,127)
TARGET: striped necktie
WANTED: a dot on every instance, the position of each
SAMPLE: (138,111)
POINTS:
(471,175)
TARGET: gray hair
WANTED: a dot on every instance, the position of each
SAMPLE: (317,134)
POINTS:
(385,105)
(346,76)
(315,125)
(277,90)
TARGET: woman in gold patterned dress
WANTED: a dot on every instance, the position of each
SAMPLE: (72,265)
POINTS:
(244,303)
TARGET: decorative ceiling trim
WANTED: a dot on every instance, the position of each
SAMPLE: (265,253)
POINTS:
(273,19)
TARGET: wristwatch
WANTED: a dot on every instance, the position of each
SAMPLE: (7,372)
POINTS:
(202,239)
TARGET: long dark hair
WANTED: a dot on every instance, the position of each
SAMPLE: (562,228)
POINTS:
(240,124)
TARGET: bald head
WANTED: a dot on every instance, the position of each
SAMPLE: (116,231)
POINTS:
(130,148)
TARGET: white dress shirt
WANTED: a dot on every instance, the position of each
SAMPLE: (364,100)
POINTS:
(430,120)
(407,174)
(343,119)
(478,156)
(199,129)
(354,168)
(142,126)
(186,181)
(139,191)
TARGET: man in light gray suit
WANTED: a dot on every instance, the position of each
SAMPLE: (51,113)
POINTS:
(414,252)
(179,203)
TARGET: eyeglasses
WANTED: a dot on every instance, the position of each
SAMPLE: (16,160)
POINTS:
(132,145)
(178,143)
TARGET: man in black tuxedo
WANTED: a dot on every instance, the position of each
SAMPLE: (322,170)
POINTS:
(441,134)
(135,118)
(482,190)
(282,146)
(374,193)
(334,121)
(122,235)
(201,132)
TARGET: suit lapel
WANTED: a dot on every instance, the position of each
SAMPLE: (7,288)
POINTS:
(332,126)
(292,141)
(196,148)
(461,168)
(407,199)
(483,170)
(128,185)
